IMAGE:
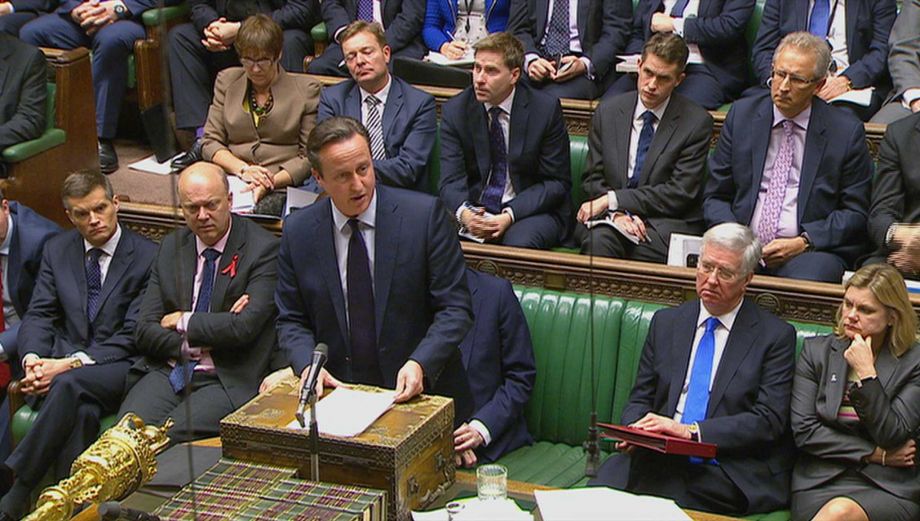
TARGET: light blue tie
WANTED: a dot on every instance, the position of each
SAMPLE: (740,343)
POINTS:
(700,375)
(819,18)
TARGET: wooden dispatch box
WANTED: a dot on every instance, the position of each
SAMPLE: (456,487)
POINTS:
(408,452)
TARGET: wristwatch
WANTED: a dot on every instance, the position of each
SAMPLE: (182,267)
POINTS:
(121,11)
(694,429)
(76,362)
(808,245)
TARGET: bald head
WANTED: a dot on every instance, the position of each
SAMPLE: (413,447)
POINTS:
(204,194)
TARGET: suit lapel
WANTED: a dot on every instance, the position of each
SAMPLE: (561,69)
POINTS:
(801,15)
(387,233)
(584,14)
(188,265)
(542,8)
(622,131)
(234,248)
(479,129)
(762,125)
(517,128)
(391,109)
(77,262)
(13,261)
(5,58)
(814,151)
(118,265)
(742,336)
(325,247)
(353,102)
(662,136)
(477,314)
(836,375)
(852,9)
(682,343)
(885,365)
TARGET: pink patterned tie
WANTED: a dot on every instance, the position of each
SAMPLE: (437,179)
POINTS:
(776,192)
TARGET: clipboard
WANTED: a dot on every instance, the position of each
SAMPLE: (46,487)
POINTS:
(658,442)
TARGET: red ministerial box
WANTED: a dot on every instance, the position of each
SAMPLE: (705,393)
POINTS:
(659,442)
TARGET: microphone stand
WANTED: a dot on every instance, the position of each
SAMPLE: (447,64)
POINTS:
(314,440)
(591,445)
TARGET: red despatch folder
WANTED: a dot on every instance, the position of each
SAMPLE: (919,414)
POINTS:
(658,442)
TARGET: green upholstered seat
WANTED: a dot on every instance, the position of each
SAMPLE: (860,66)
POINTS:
(49,139)
(162,15)
(750,34)
(578,161)
(318,33)
(25,416)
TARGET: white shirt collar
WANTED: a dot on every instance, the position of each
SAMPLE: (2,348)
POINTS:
(367,217)
(5,247)
(109,247)
(220,245)
(504,105)
(727,320)
(381,95)
(658,111)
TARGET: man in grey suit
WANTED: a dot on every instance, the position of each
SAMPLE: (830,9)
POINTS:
(646,158)
(206,324)
(903,65)
(894,216)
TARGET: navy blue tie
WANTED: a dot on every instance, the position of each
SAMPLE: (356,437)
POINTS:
(181,374)
(820,14)
(491,198)
(362,323)
(93,283)
(645,140)
(678,10)
(557,33)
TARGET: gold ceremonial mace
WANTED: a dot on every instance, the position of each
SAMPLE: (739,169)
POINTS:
(118,463)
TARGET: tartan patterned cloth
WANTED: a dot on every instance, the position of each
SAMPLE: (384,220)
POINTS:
(245,491)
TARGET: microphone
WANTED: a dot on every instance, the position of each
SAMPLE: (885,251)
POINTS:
(112,511)
(320,354)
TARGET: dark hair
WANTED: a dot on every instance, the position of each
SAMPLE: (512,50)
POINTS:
(332,130)
(80,183)
(362,26)
(505,44)
(669,47)
(259,33)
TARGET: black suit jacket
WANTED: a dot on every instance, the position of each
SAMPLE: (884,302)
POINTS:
(868,24)
(240,343)
(603,28)
(670,185)
(420,294)
(888,407)
(538,153)
(402,21)
(29,233)
(56,324)
(896,186)
(748,411)
(289,14)
(22,91)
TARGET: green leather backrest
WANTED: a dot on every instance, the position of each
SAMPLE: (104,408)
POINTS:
(50,106)
(578,150)
(560,324)
(318,33)
(803,331)
(750,33)
(634,328)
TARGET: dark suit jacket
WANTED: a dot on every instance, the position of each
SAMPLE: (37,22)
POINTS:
(896,186)
(402,20)
(241,343)
(409,127)
(748,412)
(888,407)
(671,181)
(421,298)
(718,29)
(538,153)
(56,324)
(904,56)
(34,6)
(22,91)
(835,178)
(868,26)
(498,356)
(30,231)
(289,14)
(603,28)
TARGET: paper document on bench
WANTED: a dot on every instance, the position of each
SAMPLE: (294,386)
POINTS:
(298,198)
(630,63)
(439,59)
(150,165)
(604,504)
(857,96)
(608,221)
(363,408)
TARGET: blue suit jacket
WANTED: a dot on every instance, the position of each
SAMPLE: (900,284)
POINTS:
(868,26)
(718,29)
(441,20)
(836,175)
(409,127)
(748,410)
(56,324)
(538,153)
(30,231)
(498,356)
(402,20)
(421,299)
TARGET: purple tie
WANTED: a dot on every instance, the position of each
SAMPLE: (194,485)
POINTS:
(492,193)
(776,191)
(366,10)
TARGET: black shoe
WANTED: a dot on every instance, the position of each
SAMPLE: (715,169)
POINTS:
(5,517)
(189,158)
(15,504)
(108,159)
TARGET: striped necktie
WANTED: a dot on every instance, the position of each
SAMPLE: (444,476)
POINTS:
(374,126)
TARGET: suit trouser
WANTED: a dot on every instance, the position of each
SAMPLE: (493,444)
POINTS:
(68,420)
(576,88)
(604,241)
(192,69)
(111,46)
(13,22)
(197,413)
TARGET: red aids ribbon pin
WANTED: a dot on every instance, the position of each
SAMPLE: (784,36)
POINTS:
(231,269)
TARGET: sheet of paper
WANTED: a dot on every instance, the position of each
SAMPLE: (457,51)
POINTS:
(151,166)
(475,510)
(608,221)
(242,200)
(439,59)
(629,63)
(858,96)
(298,198)
(605,504)
(363,409)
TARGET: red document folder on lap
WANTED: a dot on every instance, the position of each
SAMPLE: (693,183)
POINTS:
(658,442)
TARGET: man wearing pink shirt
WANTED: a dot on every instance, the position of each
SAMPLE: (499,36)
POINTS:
(206,326)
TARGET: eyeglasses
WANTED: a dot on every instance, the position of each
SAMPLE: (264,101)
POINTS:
(794,79)
(723,274)
(264,63)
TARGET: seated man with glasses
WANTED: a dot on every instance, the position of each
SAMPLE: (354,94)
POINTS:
(794,169)
(717,370)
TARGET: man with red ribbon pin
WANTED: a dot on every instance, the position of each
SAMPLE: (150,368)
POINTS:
(206,325)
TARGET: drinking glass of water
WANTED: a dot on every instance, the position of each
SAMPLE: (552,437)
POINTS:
(492,482)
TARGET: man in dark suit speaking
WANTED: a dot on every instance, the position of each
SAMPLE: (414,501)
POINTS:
(206,323)
(717,370)
(377,274)
(77,338)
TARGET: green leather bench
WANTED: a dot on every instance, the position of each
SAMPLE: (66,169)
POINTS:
(49,139)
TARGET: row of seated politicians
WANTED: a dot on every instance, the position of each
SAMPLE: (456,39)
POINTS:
(188,329)
(794,168)
(571,47)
